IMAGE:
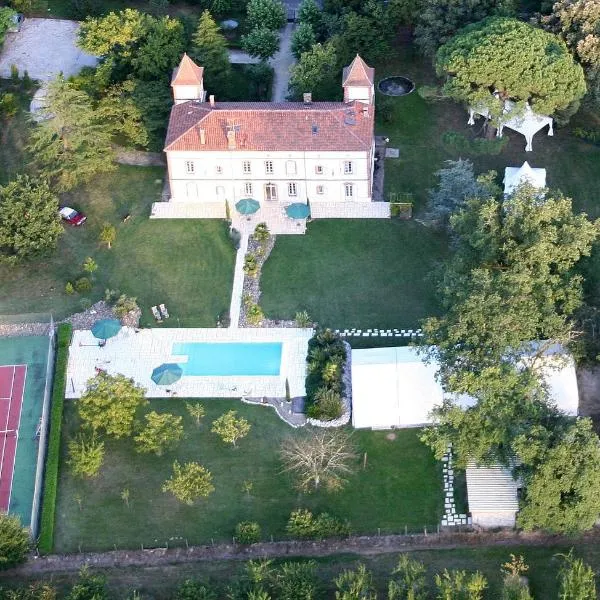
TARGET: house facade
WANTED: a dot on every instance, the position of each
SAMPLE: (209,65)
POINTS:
(320,153)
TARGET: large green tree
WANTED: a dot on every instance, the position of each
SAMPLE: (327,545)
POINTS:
(509,281)
(210,50)
(266,13)
(261,42)
(578,23)
(316,72)
(303,39)
(72,143)
(437,21)
(29,220)
(562,481)
(14,541)
(514,59)
(109,404)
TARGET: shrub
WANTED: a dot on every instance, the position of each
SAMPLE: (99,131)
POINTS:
(250,265)
(8,106)
(46,540)
(69,289)
(303,524)
(261,233)
(83,284)
(589,135)
(254,314)
(302,319)
(235,236)
(194,590)
(327,405)
(247,532)
(124,305)
(86,455)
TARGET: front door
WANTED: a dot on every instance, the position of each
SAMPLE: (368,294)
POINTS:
(270,191)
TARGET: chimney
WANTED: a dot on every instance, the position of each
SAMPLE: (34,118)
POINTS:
(307,97)
(211,99)
(202,137)
(231,145)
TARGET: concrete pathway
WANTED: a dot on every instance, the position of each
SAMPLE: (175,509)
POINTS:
(281,64)
(239,57)
(238,284)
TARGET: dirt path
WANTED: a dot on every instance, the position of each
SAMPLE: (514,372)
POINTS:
(364,546)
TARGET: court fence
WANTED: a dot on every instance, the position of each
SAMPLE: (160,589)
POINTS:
(23,324)
(43,429)
(45,534)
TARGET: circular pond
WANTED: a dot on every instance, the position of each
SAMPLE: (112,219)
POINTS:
(396,86)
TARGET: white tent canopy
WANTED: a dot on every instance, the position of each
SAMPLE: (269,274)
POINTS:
(527,123)
(516,176)
(393,387)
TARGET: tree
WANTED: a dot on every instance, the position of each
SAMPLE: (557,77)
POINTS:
(510,281)
(309,13)
(72,143)
(6,19)
(577,580)
(296,581)
(323,457)
(578,24)
(210,51)
(316,72)
(514,584)
(89,587)
(154,102)
(90,266)
(120,112)
(460,585)
(562,486)
(109,404)
(14,541)
(101,36)
(108,234)
(438,20)
(367,34)
(457,184)
(355,585)
(86,455)
(196,411)
(269,14)
(261,42)
(518,61)
(303,39)
(408,581)
(229,428)
(162,432)
(29,219)
(189,482)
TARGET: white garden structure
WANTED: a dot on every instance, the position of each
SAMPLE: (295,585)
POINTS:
(516,176)
(527,123)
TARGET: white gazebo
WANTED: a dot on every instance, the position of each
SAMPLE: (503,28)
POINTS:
(527,123)
(516,176)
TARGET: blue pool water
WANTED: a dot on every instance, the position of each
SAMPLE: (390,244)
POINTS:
(229,358)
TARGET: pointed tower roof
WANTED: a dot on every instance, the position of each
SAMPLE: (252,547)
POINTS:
(358,73)
(187,73)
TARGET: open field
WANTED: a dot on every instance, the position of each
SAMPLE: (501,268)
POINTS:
(355,273)
(188,265)
(401,486)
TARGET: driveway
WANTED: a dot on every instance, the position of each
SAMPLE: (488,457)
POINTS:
(44,47)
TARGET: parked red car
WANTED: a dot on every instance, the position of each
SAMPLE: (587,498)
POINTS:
(71,216)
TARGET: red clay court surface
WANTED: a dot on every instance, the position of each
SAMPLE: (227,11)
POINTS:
(12,384)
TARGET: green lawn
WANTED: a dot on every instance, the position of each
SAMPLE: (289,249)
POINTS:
(401,486)
(354,273)
(185,264)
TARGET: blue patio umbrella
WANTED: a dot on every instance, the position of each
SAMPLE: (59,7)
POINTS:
(297,210)
(106,328)
(247,206)
(167,373)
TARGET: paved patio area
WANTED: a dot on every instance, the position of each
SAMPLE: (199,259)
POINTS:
(136,354)
(45,48)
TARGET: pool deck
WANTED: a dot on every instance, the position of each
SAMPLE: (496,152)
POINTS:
(136,354)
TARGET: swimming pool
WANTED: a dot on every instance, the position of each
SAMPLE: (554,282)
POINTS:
(230,358)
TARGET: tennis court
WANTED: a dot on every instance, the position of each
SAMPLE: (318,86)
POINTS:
(23,373)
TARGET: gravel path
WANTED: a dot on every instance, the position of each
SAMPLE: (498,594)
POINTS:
(281,64)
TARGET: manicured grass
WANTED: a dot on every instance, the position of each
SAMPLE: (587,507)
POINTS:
(186,264)
(400,486)
(355,273)
(46,537)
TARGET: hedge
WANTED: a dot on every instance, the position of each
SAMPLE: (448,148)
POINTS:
(46,540)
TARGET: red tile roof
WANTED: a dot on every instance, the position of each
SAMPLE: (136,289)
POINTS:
(187,73)
(270,126)
(358,73)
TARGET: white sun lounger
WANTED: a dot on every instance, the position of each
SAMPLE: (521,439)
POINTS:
(163,311)
(156,313)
